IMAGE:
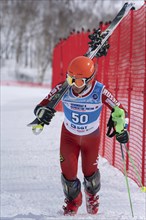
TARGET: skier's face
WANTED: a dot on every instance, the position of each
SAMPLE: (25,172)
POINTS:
(77,90)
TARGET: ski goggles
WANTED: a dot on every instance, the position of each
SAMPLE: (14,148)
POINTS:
(78,82)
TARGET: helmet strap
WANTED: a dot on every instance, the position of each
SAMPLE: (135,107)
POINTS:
(87,85)
(84,89)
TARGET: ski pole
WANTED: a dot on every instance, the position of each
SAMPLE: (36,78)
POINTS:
(126,178)
(143,188)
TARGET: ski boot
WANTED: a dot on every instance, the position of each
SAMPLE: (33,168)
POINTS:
(72,206)
(92,203)
(92,186)
(73,195)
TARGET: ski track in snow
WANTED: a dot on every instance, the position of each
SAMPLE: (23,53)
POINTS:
(30,172)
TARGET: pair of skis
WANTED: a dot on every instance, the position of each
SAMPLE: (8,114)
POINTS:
(38,126)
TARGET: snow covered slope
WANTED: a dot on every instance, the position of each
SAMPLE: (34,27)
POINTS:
(30,172)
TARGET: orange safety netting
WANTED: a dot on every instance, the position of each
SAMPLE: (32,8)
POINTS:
(123,73)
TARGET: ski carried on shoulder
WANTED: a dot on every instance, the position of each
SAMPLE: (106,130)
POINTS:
(108,32)
(38,126)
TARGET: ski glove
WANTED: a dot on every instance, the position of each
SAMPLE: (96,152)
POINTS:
(44,114)
(123,137)
(96,39)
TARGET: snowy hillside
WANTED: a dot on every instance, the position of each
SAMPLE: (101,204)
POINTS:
(30,172)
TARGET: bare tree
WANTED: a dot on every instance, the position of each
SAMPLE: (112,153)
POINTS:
(31,28)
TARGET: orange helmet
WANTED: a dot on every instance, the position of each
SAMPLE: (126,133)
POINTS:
(81,67)
(80,71)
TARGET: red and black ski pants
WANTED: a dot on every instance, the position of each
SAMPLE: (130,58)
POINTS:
(71,146)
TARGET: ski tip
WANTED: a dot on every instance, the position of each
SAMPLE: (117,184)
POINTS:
(129,5)
(34,123)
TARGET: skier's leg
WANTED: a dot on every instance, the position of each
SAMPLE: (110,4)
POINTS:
(89,152)
(92,186)
(69,152)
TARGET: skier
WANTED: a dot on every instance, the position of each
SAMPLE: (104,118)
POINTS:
(82,105)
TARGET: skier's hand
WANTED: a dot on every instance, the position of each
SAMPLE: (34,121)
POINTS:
(96,39)
(44,114)
(123,137)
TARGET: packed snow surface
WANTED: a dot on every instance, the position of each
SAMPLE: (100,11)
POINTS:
(30,172)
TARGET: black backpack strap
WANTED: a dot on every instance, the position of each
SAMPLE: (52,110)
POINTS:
(111,129)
